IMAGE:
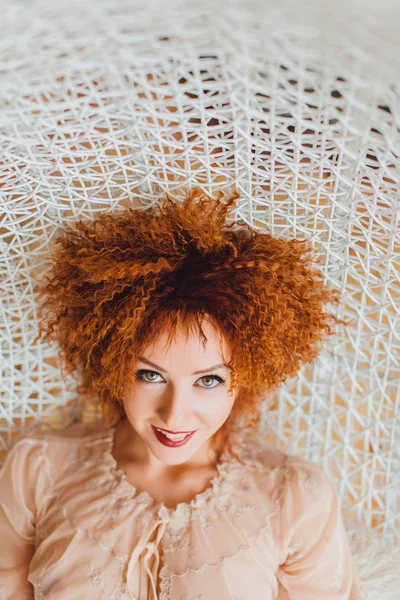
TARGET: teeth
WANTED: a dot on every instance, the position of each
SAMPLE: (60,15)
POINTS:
(176,437)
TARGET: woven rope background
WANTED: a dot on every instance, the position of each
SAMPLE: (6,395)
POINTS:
(109,105)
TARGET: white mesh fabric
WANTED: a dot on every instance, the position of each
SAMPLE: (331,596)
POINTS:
(109,105)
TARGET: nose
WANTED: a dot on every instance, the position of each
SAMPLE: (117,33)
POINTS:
(174,410)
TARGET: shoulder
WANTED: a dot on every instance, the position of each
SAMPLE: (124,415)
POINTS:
(257,452)
(44,442)
(308,493)
(71,434)
(24,453)
(56,453)
(294,475)
(304,474)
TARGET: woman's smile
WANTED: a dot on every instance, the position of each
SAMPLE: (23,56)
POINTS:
(172,441)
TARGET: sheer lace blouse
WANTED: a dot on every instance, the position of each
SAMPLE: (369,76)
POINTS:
(72,526)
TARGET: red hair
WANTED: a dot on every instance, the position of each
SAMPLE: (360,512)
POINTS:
(120,280)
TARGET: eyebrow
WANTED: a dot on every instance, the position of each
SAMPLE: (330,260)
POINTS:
(148,362)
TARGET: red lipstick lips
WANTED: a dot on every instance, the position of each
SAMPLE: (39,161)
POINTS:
(171,443)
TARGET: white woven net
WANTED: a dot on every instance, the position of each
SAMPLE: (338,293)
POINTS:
(109,105)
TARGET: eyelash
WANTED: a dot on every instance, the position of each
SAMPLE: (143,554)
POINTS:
(143,371)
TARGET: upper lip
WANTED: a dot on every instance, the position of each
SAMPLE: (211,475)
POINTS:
(169,431)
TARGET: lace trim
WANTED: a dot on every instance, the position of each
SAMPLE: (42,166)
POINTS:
(106,444)
(225,467)
(249,541)
(167,576)
(216,484)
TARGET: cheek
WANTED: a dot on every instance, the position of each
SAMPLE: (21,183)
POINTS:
(215,409)
(137,404)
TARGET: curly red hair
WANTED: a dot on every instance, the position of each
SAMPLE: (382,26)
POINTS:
(118,281)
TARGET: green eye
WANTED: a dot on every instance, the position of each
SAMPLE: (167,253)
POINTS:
(211,377)
(144,372)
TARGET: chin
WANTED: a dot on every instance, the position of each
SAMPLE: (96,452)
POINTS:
(173,456)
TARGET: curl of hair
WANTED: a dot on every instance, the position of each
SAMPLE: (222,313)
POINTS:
(120,280)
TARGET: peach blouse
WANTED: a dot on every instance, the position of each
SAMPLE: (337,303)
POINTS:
(72,526)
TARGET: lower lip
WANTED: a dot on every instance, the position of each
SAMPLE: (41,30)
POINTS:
(167,442)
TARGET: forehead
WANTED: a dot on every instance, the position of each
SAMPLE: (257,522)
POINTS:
(188,340)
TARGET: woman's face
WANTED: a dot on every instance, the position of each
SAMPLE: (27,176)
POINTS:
(183,389)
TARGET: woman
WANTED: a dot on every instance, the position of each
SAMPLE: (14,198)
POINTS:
(178,325)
